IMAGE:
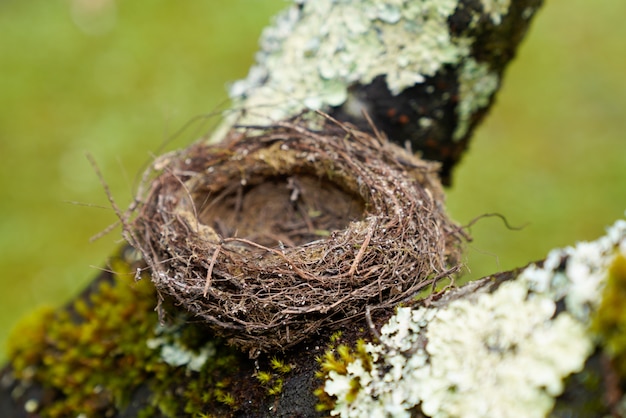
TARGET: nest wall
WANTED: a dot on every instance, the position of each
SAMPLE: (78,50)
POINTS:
(273,234)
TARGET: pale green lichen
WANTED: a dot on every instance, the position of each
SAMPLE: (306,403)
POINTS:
(310,57)
(476,86)
(175,353)
(313,53)
(581,281)
(500,354)
(512,359)
(496,9)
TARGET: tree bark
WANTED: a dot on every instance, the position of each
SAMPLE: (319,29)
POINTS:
(543,340)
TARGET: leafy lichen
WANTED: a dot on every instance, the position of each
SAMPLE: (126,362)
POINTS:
(496,9)
(477,86)
(504,353)
(317,49)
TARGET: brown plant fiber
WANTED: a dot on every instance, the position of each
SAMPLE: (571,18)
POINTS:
(275,233)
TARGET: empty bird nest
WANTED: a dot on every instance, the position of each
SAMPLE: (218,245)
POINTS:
(275,233)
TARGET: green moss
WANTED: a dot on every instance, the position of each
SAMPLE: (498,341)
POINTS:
(280,366)
(609,322)
(336,361)
(96,354)
(223,397)
(273,382)
(264,377)
(74,351)
(335,337)
(276,388)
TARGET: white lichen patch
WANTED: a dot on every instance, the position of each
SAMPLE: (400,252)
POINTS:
(173,352)
(496,9)
(312,55)
(580,281)
(177,355)
(502,355)
(476,86)
(499,354)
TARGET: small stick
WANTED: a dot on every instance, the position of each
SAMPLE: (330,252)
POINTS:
(370,323)
(361,252)
(370,122)
(104,232)
(302,273)
(209,273)
(106,188)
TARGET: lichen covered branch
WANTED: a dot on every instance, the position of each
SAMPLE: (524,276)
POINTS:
(510,345)
(425,71)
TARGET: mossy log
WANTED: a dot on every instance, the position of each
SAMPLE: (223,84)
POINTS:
(545,340)
(143,340)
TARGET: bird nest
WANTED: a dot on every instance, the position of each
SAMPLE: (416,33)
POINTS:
(275,233)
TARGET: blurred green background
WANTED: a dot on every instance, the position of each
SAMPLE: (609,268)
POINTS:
(118,80)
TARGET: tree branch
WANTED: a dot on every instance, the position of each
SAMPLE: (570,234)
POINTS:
(424,73)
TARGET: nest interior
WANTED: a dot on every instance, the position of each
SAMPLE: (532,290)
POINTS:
(285,211)
(271,235)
